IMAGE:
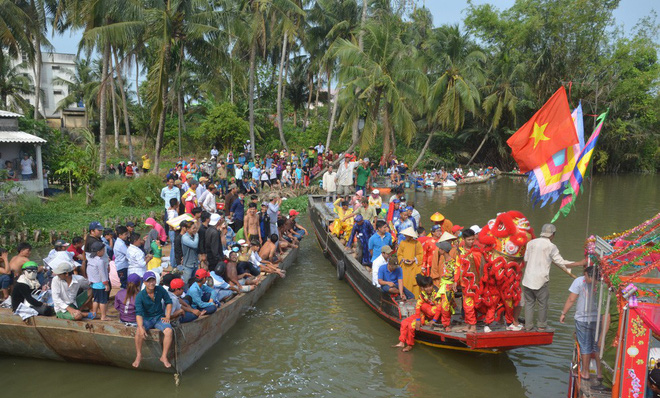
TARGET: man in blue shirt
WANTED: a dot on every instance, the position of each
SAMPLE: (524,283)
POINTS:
(237,212)
(390,279)
(203,296)
(149,314)
(381,238)
(363,230)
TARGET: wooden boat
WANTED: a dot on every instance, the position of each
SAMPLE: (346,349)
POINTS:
(474,180)
(393,312)
(112,343)
(510,174)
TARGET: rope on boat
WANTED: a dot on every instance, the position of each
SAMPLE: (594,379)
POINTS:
(177,375)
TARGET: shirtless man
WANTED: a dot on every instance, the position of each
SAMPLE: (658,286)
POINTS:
(5,274)
(268,251)
(24,249)
(251,226)
(232,274)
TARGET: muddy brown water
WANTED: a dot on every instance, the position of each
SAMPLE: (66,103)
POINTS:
(311,335)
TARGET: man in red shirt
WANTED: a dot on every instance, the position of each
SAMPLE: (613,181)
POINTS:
(76,247)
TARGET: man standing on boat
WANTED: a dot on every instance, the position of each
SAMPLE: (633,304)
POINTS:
(582,291)
(539,256)
(345,176)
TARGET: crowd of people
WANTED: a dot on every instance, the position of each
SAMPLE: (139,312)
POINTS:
(219,246)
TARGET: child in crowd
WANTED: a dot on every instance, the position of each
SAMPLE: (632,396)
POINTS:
(97,273)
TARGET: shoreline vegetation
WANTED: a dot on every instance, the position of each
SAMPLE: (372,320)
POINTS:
(29,218)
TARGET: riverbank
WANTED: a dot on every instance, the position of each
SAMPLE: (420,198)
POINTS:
(115,201)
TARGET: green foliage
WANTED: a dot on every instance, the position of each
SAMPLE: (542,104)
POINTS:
(143,192)
(224,128)
(299,203)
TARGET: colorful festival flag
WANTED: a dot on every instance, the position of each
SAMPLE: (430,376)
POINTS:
(575,181)
(550,130)
(547,182)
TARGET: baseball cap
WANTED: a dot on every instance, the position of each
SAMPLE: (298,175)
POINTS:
(547,231)
(375,192)
(215,218)
(134,279)
(359,218)
(96,246)
(409,208)
(95,225)
(435,227)
(130,224)
(148,275)
(29,264)
(264,204)
(63,268)
(60,243)
(386,249)
(200,274)
(475,228)
(177,283)
(293,212)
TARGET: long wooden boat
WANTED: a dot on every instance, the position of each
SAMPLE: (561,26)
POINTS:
(474,180)
(112,343)
(393,312)
(511,174)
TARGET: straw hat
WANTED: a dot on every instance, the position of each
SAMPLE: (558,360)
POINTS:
(437,217)
(446,236)
(409,232)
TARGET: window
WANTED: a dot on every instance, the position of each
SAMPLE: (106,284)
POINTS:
(57,92)
(56,67)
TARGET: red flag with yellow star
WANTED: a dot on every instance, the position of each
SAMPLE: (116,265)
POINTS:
(550,130)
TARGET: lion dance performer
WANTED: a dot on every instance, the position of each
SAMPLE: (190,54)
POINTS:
(504,239)
(426,309)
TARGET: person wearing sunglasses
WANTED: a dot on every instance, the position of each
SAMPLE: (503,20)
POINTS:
(26,288)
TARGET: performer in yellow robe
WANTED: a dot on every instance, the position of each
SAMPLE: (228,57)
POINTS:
(342,225)
(410,254)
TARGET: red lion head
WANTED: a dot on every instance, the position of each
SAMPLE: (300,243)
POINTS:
(507,234)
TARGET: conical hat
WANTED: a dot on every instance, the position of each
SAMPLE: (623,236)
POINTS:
(437,217)
(409,232)
(446,236)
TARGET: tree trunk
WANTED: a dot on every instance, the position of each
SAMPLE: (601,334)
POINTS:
(393,137)
(318,91)
(37,74)
(332,121)
(421,154)
(137,86)
(309,103)
(355,128)
(253,56)
(386,131)
(280,118)
(115,118)
(161,129)
(103,109)
(182,121)
(127,125)
(480,145)
(329,89)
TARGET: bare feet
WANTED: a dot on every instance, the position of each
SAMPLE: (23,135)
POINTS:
(105,319)
(400,345)
(165,362)
(136,363)
(406,349)
(448,329)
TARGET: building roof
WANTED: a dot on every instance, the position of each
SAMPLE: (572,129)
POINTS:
(20,137)
(9,114)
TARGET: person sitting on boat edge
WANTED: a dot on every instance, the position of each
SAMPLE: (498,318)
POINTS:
(203,296)
(262,265)
(26,288)
(181,309)
(269,251)
(582,291)
(71,293)
(149,314)
(390,279)
(381,260)
(125,300)
(6,277)
(426,308)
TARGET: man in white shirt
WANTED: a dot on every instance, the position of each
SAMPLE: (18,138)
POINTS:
(539,256)
(238,173)
(330,185)
(320,148)
(385,254)
(71,293)
(27,165)
(345,176)
(207,200)
(137,261)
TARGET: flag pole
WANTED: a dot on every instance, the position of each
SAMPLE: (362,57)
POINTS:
(591,169)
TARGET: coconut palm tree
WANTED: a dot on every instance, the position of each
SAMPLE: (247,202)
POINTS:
(81,86)
(14,86)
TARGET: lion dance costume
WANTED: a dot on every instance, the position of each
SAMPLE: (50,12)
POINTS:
(497,291)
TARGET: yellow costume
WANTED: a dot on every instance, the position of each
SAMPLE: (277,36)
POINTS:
(447,225)
(410,256)
(340,227)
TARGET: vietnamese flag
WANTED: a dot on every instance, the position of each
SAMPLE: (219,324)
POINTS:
(550,130)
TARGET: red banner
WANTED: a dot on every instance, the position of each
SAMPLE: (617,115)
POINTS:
(635,356)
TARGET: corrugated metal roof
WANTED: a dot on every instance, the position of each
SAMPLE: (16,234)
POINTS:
(9,114)
(21,137)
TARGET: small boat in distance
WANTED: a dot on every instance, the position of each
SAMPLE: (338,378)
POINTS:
(393,312)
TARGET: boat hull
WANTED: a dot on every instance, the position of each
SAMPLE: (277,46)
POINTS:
(113,343)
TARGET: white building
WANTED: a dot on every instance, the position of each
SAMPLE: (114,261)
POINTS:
(55,65)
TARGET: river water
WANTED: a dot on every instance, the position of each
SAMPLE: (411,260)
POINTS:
(311,335)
